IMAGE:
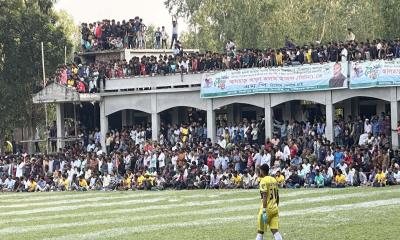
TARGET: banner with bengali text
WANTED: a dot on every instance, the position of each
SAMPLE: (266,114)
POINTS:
(275,80)
(379,73)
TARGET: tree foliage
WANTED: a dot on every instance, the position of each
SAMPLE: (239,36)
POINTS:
(265,23)
(25,24)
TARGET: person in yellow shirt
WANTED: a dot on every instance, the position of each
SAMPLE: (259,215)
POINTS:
(308,56)
(184,133)
(237,180)
(32,185)
(279,58)
(83,186)
(380,179)
(63,184)
(140,180)
(127,182)
(269,212)
(280,179)
(340,179)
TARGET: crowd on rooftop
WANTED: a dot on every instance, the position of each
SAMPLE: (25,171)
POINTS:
(114,35)
(298,154)
(87,77)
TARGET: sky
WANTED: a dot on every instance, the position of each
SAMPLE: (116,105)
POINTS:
(151,11)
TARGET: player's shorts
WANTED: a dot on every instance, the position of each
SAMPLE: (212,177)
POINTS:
(272,221)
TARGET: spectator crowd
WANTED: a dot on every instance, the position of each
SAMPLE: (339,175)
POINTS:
(299,155)
(88,77)
(113,35)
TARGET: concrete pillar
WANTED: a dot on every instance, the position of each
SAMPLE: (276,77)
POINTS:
(155,118)
(103,125)
(155,126)
(329,116)
(124,118)
(268,117)
(394,117)
(380,107)
(60,125)
(211,129)
(347,109)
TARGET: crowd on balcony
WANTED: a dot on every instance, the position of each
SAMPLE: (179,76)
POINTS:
(88,77)
(298,154)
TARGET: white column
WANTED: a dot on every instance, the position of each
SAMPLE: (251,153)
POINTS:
(155,126)
(329,116)
(268,117)
(103,125)
(60,125)
(155,118)
(394,117)
(211,130)
(124,118)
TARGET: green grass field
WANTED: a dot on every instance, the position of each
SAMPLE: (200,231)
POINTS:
(353,213)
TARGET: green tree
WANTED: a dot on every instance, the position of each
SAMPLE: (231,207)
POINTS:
(265,23)
(25,24)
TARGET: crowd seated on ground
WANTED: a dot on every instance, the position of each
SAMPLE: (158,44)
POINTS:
(87,77)
(184,158)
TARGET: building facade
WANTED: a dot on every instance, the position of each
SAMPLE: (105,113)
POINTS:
(150,100)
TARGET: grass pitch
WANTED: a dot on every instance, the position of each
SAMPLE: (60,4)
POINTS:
(352,213)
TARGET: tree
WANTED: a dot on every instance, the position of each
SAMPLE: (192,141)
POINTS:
(25,24)
(265,23)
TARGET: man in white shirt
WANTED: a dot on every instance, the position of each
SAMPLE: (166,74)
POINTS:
(164,37)
(396,174)
(222,142)
(218,162)
(266,159)
(161,160)
(224,162)
(350,35)
(286,152)
(20,168)
(367,126)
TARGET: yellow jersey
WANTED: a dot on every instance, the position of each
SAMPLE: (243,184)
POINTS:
(237,180)
(380,177)
(140,180)
(340,179)
(32,186)
(127,182)
(269,186)
(280,179)
(83,183)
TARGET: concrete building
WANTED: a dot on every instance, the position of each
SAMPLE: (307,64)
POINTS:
(147,100)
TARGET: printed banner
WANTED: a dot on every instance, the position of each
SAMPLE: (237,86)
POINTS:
(379,73)
(275,80)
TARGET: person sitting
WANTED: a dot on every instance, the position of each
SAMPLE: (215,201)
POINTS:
(340,179)
(380,179)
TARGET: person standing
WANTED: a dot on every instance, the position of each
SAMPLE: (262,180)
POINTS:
(158,35)
(174,31)
(269,212)
(53,137)
(164,37)
(350,35)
